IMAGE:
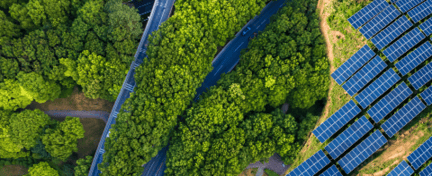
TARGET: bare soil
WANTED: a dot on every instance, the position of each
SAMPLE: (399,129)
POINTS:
(13,170)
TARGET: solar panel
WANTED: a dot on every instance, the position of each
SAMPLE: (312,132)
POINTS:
(405,5)
(367,13)
(332,171)
(389,102)
(427,96)
(414,59)
(402,45)
(354,63)
(366,74)
(336,121)
(426,171)
(421,77)
(421,154)
(312,165)
(427,27)
(347,138)
(391,32)
(363,151)
(377,88)
(421,11)
(403,116)
(403,169)
(379,22)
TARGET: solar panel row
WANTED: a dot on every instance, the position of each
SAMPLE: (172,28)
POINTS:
(427,96)
(354,63)
(415,58)
(421,77)
(312,165)
(347,138)
(391,32)
(405,5)
(421,11)
(367,13)
(403,169)
(421,154)
(402,45)
(363,151)
(427,27)
(426,171)
(336,121)
(366,74)
(389,102)
(403,116)
(377,88)
(379,22)
(332,171)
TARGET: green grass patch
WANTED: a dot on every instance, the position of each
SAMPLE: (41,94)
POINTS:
(270,172)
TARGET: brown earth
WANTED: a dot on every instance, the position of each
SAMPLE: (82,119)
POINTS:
(13,170)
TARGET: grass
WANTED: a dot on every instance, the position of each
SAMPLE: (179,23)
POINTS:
(13,170)
(270,172)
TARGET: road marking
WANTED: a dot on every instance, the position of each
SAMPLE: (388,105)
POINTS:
(258,26)
(281,5)
(263,21)
(239,46)
(218,69)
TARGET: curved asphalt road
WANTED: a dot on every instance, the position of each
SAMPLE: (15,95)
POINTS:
(81,114)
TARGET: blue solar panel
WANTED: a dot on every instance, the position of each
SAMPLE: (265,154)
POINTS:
(427,96)
(421,11)
(421,77)
(347,138)
(354,63)
(403,117)
(363,151)
(332,171)
(405,5)
(366,74)
(421,154)
(402,45)
(336,121)
(403,169)
(367,13)
(391,32)
(427,171)
(380,21)
(377,88)
(312,165)
(415,58)
(389,102)
(427,27)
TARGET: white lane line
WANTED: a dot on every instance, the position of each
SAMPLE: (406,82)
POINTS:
(281,5)
(218,69)
(258,26)
(239,46)
(263,21)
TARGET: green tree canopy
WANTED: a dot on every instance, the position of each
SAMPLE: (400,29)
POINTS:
(42,169)
(83,166)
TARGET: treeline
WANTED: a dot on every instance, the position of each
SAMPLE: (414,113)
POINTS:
(48,46)
(235,124)
(179,58)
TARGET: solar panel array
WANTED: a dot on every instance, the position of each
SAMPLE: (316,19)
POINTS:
(405,5)
(366,74)
(336,121)
(379,22)
(332,171)
(427,27)
(312,165)
(377,88)
(421,11)
(403,169)
(427,96)
(347,138)
(363,151)
(391,32)
(421,77)
(389,102)
(415,58)
(354,63)
(402,45)
(403,117)
(421,154)
(426,171)
(367,13)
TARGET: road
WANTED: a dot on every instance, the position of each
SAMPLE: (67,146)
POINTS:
(81,114)
(228,58)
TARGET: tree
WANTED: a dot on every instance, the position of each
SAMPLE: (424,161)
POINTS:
(83,166)
(11,97)
(42,169)
(33,85)
(62,141)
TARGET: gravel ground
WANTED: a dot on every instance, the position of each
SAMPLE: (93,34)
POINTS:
(274,164)
(81,114)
